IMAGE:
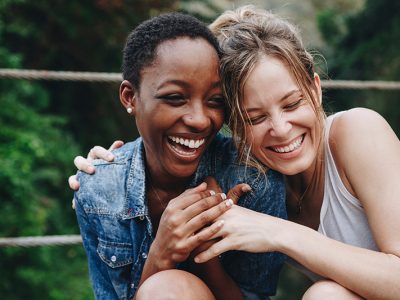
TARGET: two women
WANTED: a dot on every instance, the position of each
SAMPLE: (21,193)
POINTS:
(342,172)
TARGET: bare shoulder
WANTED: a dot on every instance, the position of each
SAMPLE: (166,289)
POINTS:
(357,127)
(363,145)
(357,138)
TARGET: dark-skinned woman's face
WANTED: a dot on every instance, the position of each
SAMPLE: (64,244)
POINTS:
(179,106)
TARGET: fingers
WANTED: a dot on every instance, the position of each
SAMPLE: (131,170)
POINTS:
(216,249)
(234,193)
(99,152)
(84,165)
(116,145)
(73,183)
(202,187)
(190,196)
(238,191)
(204,203)
(209,215)
(204,236)
(208,233)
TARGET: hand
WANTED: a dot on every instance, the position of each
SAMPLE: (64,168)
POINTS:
(181,223)
(244,230)
(85,164)
(234,193)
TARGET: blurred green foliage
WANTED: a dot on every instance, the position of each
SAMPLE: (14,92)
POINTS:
(43,125)
(364,46)
(35,158)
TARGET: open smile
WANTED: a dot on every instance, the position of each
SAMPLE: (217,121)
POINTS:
(290,147)
(188,148)
(192,144)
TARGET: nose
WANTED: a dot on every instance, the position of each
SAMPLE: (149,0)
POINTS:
(280,126)
(197,118)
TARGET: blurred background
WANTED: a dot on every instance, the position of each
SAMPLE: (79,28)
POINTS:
(44,124)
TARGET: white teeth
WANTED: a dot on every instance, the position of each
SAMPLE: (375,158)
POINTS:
(293,146)
(192,144)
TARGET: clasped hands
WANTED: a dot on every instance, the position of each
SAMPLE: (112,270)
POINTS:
(190,221)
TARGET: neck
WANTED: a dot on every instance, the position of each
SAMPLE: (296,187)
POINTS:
(164,185)
(305,190)
(167,184)
(313,173)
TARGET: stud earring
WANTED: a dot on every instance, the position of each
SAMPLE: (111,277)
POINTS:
(129,110)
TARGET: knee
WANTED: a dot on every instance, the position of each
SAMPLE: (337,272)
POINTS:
(173,284)
(326,289)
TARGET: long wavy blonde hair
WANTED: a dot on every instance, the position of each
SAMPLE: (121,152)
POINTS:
(245,35)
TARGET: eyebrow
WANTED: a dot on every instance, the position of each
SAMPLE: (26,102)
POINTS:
(185,84)
(287,95)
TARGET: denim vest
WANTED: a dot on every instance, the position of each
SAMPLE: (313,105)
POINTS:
(117,232)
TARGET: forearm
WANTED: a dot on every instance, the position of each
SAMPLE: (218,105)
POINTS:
(154,265)
(371,274)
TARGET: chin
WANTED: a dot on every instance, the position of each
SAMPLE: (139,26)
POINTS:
(184,171)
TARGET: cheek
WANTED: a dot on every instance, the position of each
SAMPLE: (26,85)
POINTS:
(304,116)
(253,136)
(218,118)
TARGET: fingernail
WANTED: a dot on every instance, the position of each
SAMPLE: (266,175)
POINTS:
(212,192)
(220,223)
(246,188)
(223,196)
(229,202)
(90,169)
(196,259)
(110,157)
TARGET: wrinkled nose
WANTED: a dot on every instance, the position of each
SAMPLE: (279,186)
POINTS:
(197,118)
(280,126)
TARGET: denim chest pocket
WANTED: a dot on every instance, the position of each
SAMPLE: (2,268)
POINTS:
(118,258)
(115,254)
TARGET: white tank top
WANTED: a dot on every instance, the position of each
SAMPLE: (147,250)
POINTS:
(342,216)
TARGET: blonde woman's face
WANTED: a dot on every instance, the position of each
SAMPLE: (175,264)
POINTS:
(282,127)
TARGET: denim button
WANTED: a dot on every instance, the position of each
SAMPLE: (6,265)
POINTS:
(141,218)
(132,285)
(113,258)
(144,255)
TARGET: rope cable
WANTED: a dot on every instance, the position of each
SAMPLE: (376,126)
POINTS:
(33,241)
(116,77)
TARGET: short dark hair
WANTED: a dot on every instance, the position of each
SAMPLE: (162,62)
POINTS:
(139,50)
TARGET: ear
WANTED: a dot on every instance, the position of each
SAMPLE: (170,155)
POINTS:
(317,82)
(128,95)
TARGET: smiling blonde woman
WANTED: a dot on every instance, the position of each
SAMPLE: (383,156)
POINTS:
(342,172)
